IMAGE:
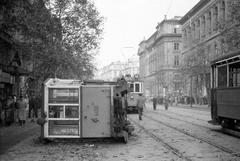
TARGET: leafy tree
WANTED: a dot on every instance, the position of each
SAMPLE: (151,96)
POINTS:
(195,65)
(60,37)
(230,28)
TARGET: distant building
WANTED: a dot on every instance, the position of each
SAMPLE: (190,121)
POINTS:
(131,67)
(118,69)
(160,58)
(112,71)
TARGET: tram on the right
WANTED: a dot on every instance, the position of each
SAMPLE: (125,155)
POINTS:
(225,91)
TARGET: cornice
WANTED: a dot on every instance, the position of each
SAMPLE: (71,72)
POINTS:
(193,11)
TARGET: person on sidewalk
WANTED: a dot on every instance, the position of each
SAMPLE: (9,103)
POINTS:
(154,102)
(33,104)
(140,104)
(22,106)
(166,102)
(176,101)
(14,97)
(9,111)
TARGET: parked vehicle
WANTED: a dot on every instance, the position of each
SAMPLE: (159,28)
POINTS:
(225,91)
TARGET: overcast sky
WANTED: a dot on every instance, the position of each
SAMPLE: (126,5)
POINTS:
(129,21)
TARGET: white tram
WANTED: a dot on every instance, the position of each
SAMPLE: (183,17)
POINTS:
(136,88)
(90,109)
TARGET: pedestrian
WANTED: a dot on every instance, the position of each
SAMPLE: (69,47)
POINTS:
(176,100)
(140,104)
(15,108)
(26,99)
(154,102)
(9,109)
(166,102)
(33,105)
(22,106)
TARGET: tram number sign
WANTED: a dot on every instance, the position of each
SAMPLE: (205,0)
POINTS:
(96,110)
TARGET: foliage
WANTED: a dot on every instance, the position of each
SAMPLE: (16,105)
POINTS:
(230,28)
(60,37)
(195,62)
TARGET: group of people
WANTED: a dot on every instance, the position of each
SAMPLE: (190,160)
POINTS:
(16,110)
(141,104)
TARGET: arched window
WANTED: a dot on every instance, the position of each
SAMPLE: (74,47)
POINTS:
(209,22)
(223,11)
(198,29)
(215,17)
(203,27)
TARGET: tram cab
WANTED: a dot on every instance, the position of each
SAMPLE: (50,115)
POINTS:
(90,109)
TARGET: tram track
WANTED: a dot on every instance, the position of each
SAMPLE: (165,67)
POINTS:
(169,147)
(187,115)
(229,151)
(162,114)
(228,131)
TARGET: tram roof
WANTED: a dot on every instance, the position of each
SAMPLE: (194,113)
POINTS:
(225,56)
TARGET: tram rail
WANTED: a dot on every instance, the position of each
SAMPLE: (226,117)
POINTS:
(229,151)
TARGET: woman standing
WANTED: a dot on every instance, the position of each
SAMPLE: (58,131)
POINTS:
(9,111)
(22,106)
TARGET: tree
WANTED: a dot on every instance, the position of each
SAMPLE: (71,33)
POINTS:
(60,37)
(230,28)
(195,65)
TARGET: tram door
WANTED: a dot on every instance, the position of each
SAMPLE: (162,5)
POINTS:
(96,105)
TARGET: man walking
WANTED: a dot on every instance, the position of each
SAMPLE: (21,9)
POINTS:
(154,102)
(140,105)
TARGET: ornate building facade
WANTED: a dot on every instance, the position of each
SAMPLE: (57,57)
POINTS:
(159,58)
(200,40)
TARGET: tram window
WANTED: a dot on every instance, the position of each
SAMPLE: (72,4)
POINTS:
(55,112)
(222,76)
(71,112)
(234,74)
(63,95)
(137,88)
(63,127)
(131,87)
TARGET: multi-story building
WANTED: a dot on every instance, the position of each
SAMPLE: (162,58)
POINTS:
(118,69)
(160,58)
(112,71)
(131,67)
(201,43)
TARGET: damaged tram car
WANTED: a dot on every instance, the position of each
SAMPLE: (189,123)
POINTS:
(88,109)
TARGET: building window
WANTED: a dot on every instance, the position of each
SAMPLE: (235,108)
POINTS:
(176,46)
(176,60)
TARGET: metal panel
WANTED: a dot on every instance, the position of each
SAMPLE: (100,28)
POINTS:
(96,106)
(228,102)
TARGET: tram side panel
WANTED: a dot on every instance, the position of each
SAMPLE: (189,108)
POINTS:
(228,103)
(96,106)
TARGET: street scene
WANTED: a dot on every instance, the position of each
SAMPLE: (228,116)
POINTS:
(179,133)
(120,80)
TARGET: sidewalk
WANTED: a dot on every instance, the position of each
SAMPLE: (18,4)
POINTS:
(14,128)
(149,103)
